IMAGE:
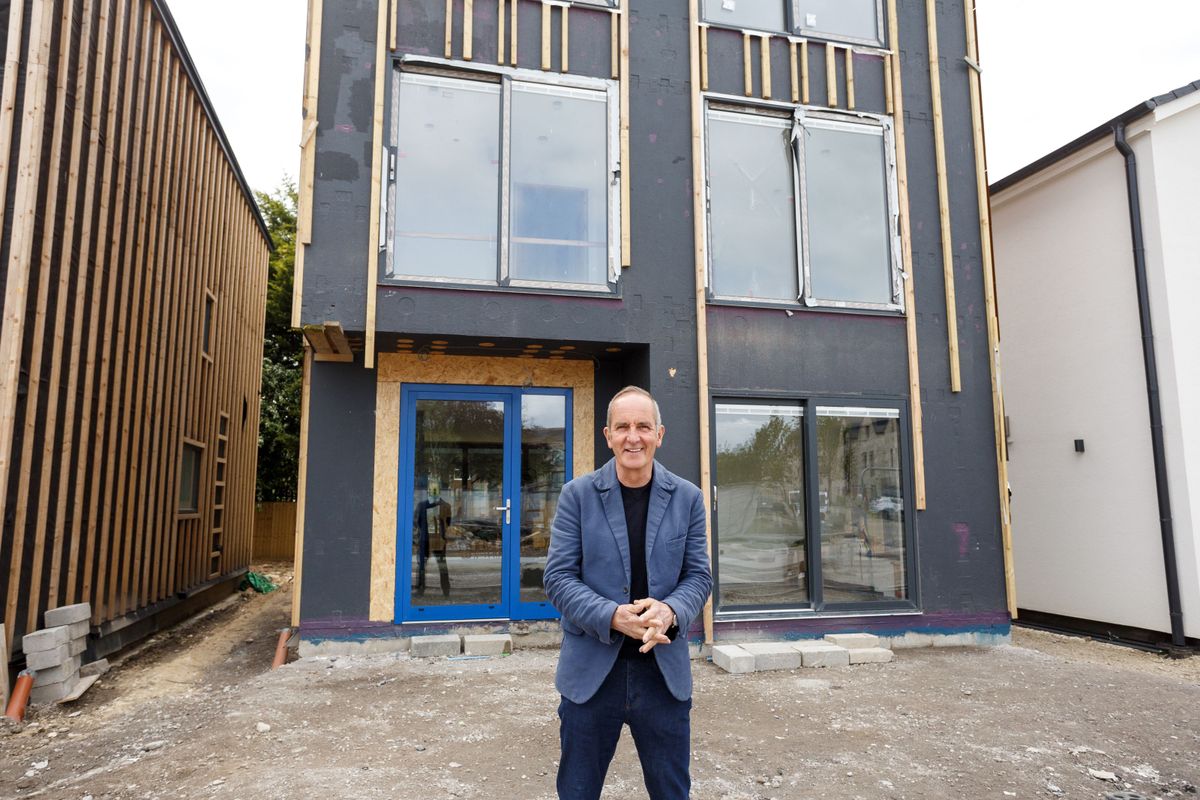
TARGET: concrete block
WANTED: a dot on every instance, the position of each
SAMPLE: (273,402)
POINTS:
(909,640)
(870,655)
(51,692)
(732,658)
(47,659)
(98,667)
(76,646)
(955,640)
(772,655)
(446,644)
(65,615)
(67,669)
(487,644)
(348,647)
(851,641)
(79,630)
(45,639)
(817,654)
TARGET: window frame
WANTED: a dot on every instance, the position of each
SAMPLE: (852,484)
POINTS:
(792,26)
(817,117)
(816,605)
(200,448)
(505,77)
(208,320)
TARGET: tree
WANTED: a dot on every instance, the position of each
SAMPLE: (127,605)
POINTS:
(279,425)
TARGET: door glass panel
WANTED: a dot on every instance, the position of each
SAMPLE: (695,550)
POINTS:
(458,485)
(543,473)
(760,505)
(862,505)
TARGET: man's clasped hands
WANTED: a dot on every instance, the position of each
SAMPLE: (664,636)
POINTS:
(646,619)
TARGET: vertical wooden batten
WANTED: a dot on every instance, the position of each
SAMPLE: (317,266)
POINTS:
(989,297)
(377,157)
(699,220)
(939,153)
(302,480)
(910,303)
(308,153)
(831,88)
(626,249)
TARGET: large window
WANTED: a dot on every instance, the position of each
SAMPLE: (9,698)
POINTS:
(855,21)
(802,208)
(810,507)
(506,182)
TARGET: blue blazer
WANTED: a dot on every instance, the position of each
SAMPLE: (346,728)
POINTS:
(587,574)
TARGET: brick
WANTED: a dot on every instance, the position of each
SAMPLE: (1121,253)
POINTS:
(732,658)
(64,671)
(51,692)
(79,630)
(487,644)
(65,615)
(45,639)
(870,655)
(448,644)
(46,659)
(852,641)
(817,654)
(773,655)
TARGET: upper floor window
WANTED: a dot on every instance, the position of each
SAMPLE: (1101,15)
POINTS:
(501,181)
(802,208)
(856,21)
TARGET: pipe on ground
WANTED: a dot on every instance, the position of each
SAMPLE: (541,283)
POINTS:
(20,696)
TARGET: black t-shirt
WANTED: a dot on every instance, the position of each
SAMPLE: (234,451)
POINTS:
(637,506)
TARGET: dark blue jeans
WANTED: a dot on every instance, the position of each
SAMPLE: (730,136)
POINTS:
(633,694)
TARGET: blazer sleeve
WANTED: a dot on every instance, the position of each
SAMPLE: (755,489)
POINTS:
(577,602)
(695,578)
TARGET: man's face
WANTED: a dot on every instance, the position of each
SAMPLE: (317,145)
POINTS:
(631,434)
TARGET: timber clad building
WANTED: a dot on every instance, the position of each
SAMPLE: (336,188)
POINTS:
(772,215)
(133,263)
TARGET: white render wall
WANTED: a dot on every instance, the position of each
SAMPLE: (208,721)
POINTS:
(1085,525)
(1169,182)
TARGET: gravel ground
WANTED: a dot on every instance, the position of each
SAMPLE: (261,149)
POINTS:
(196,713)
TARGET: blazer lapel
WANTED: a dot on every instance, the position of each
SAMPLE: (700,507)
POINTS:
(660,497)
(614,511)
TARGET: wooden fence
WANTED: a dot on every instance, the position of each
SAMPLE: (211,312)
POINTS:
(275,532)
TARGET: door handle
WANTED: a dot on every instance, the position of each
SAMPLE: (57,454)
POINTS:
(507,509)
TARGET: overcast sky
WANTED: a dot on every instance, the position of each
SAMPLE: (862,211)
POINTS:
(1052,70)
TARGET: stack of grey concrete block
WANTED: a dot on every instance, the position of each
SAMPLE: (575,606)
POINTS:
(836,650)
(55,653)
(452,644)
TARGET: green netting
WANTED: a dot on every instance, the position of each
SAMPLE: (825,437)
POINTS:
(258,582)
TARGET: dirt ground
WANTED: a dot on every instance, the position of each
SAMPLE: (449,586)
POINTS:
(196,713)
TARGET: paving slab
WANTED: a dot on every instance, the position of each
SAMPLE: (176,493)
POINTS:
(45,639)
(816,654)
(852,641)
(444,644)
(97,668)
(732,658)
(47,659)
(65,615)
(67,669)
(51,692)
(773,655)
(870,655)
(79,630)
(76,646)
(487,644)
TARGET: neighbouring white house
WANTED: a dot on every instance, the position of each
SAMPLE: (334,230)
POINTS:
(1097,249)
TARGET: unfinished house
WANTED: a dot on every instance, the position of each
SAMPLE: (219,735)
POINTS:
(1096,249)
(133,265)
(772,215)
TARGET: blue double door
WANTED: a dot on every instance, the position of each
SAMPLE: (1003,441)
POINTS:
(481,469)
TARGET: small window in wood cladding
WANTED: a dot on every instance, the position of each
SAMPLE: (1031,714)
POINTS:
(189,478)
(210,306)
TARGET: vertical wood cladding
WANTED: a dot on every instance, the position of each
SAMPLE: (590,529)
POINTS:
(122,219)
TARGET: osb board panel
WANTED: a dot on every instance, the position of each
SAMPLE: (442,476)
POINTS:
(395,369)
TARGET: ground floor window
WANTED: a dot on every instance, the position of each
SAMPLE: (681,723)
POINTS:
(810,506)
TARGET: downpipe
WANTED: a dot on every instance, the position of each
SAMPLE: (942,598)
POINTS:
(1166,525)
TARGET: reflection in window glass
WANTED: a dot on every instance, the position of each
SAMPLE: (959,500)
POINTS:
(862,505)
(543,473)
(760,505)
(763,15)
(458,484)
(752,216)
(447,178)
(848,240)
(856,20)
(559,185)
